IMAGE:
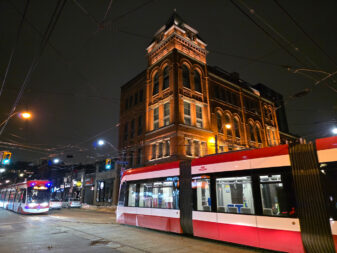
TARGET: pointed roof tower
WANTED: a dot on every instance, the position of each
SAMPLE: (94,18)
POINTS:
(176,34)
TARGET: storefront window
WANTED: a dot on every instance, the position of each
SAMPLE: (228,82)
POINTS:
(234,195)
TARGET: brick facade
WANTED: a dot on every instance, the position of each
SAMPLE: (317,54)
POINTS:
(179,106)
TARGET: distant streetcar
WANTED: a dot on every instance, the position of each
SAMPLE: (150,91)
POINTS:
(29,197)
(281,198)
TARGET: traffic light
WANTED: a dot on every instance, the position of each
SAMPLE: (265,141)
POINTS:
(6,157)
(108,164)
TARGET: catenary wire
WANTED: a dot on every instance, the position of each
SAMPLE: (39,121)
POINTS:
(13,52)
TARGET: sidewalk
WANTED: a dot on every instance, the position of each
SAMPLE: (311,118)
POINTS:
(106,209)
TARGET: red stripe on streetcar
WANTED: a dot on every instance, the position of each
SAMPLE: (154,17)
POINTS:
(150,221)
(272,239)
(326,143)
(163,166)
(242,155)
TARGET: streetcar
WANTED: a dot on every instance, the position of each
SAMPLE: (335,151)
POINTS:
(31,197)
(281,198)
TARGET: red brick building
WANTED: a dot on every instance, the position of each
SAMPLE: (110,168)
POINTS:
(179,106)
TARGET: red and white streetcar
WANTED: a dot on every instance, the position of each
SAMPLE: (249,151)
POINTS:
(281,198)
(29,197)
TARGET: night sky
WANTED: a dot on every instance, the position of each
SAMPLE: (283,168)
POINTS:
(74,91)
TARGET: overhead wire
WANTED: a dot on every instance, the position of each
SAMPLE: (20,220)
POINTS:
(305,33)
(13,52)
(58,52)
(49,30)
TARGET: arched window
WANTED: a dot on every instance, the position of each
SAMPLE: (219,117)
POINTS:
(156,84)
(197,81)
(228,125)
(252,131)
(219,122)
(237,127)
(166,78)
(186,77)
(258,134)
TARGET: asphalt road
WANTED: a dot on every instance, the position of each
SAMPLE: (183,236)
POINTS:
(78,230)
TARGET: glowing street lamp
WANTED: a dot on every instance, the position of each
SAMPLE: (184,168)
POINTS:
(25,115)
(7,181)
(334,130)
(56,161)
(22,115)
(100,142)
(228,126)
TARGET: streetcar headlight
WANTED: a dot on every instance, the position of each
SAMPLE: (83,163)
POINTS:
(31,205)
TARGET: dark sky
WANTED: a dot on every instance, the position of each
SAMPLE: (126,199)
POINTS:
(74,91)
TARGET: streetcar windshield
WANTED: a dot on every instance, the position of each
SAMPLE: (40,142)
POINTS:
(38,195)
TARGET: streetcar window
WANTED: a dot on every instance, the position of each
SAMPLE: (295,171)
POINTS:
(18,196)
(202,185)
(273,195)
(23,199)
(132,195)
(165,194)
(38,196)
(234,195)
(145,195)
(121,200)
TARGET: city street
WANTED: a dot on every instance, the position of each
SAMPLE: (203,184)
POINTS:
(79,230)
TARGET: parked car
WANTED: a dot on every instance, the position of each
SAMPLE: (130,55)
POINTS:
(55,204)
(71,202)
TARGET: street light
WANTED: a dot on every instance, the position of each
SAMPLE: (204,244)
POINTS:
(334,130)
(56,161)
(100,142)
(23,115)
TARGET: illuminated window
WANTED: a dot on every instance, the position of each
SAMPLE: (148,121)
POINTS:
(156,118)
(166,78)
(235,195)
(228,122)
(156,84)
(196,148)
(202,186)
(166,114)
(186,77)
(187,113)
(273,195)
(198,110)
(132,195)
(197,81)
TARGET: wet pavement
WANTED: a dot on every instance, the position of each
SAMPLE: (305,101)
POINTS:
(79,230)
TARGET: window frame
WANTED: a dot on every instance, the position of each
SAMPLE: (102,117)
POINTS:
(155,81)
(156,118)
(147,181)
(187,117)
(285,173)
(198,119)
(167,116)
(166,77)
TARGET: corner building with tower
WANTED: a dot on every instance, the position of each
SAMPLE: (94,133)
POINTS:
(181,108)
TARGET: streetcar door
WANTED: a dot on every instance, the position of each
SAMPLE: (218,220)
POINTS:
(17,201)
